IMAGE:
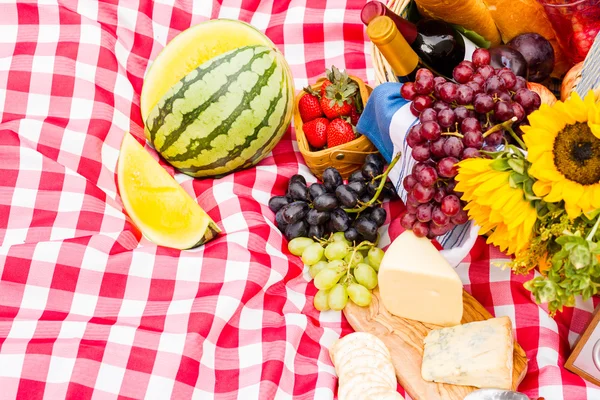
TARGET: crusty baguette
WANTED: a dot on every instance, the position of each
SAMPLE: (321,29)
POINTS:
(514,17)
(470,14)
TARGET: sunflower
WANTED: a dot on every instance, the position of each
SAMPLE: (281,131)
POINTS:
(496,206)
(563,144)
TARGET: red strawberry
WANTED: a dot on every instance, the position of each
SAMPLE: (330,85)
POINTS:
(339,96)
(309,106)
(339,132)
(354,116)
(334,109)
(323,88)
(316,132)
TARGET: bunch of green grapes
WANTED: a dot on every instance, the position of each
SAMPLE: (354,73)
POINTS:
(340,269)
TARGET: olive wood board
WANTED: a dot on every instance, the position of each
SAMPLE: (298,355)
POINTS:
(404,338)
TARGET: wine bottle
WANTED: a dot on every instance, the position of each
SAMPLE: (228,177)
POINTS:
(393,46)
(437,43)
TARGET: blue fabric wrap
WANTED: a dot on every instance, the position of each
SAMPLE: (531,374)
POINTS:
(375,119)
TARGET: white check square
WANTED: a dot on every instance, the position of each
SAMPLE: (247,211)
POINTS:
(159,388)
(172,342)
(21,329)
(122,334)
(73,141)
(48,33)
(38,104)
(110,378)
(72,330)
(132,308)
(83,304)
(11,365)
(35,297)
(60,369)
(142,264)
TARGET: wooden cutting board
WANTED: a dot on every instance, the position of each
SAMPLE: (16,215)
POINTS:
(404,339)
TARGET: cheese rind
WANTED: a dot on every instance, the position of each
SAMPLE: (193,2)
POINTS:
(476,354)
(416,282)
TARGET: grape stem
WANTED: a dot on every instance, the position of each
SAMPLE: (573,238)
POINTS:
(516,137)
(379,189)
(458,135)
(498,127)
(361,245)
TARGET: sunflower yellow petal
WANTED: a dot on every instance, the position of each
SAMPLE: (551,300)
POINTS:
(575,108)
(541,188)
(572,192)
(489,185)
(539,137)
(500,201)
(585,201)
(547,119)
(547,170)
(596,197)
(556,193)
(536,152)
(595,128)
(573,210)
(561,108)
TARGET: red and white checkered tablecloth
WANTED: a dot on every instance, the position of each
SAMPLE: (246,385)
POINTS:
(91,310)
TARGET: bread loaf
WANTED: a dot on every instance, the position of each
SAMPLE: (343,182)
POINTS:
(470,14)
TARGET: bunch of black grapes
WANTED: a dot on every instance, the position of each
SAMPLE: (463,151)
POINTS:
(332,206)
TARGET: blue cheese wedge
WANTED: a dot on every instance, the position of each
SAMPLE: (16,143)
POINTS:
(476,354)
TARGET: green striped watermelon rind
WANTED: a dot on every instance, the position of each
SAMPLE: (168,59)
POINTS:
(200,126)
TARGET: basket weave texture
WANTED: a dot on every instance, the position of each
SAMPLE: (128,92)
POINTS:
(347,157)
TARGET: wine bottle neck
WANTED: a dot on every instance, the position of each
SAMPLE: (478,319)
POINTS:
(393,46)
(377,9)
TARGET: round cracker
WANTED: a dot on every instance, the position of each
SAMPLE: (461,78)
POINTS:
(357,340)
(360,337)
(354,389)
(369,362)
(371,393)
(391,395)
(385,375)
(345,354)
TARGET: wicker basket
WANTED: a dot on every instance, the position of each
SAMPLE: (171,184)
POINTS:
(347,157)
(383,71)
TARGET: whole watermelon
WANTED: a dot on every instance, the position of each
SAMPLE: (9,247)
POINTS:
(226,114)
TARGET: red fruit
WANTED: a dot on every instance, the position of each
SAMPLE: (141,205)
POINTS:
(309,106)
(408,91)
(337,100)
(323,88)
(354,116)
(585,30)
(316,132)
(334,109)
(339,132)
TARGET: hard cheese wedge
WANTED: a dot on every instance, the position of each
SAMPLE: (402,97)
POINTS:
(475,354)
(416,282)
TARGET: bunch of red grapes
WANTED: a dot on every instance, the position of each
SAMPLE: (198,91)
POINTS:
(457,120)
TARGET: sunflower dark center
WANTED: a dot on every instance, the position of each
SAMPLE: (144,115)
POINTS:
(577,154)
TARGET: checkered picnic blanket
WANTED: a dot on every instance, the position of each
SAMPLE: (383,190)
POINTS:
(89,309)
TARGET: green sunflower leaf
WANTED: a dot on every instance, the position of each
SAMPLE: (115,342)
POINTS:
(500,164)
